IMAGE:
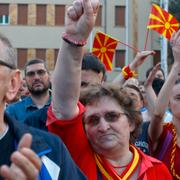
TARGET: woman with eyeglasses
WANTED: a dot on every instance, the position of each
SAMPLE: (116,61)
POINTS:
(98,131)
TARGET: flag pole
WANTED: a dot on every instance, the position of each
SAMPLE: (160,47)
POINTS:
(129,46)
(147,36)
(164,43)
(127,33)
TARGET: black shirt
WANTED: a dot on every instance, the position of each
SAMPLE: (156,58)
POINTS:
(7,146)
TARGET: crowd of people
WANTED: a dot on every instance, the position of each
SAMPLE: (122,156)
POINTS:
(75,125)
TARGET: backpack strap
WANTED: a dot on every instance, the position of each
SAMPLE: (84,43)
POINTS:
(165,145)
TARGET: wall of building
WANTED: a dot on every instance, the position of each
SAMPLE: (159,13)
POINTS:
(43,39)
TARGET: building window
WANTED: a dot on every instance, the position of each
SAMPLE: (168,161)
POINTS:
(4,14)
(22,58)
(4,20)
(22,14)
(120,58)
(59,14)
(41,14)
(99,17)
(41,54)
(120,16)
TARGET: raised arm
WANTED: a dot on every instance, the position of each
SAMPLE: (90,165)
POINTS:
(156,125)
(150,94)
(138,61)
(80,19)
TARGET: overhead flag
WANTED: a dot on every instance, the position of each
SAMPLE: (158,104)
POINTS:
(162,22)
(104,47)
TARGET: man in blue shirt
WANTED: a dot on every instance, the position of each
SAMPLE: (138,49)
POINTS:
(38,83)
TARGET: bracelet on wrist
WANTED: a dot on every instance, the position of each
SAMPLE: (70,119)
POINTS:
(128,73)
(72,41)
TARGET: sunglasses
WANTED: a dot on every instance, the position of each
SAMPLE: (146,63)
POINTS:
(3,63)
(40,72)
(110,116)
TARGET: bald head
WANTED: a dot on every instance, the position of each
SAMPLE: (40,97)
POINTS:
(7,53)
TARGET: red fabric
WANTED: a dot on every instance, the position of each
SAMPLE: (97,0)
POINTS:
(152,168)
(73,135)
(162,22)
(104,47)
(167,156)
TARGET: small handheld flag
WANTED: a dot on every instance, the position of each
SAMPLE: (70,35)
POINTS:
(104,47)
(162,22)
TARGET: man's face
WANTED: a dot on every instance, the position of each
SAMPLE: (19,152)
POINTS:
(90,77)
(37,79)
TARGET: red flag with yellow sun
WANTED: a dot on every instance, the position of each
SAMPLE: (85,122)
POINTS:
(162,22)
(104,47)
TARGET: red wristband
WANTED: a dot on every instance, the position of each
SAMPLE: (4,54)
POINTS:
(128,73)
(72,41)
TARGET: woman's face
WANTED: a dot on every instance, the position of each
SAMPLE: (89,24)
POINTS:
(135,96)
(107,126)
(175,101)
(159,75)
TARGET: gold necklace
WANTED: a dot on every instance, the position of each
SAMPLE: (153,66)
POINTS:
(173,152)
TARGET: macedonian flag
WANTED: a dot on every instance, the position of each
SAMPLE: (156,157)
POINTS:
(162,22)
(104,47)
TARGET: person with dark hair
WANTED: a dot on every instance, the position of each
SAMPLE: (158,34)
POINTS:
(93,70)
(98,132)
(159,74)
(27,153)
(38,82)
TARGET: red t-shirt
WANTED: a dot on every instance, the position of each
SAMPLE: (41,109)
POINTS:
(167,156)
(73,134)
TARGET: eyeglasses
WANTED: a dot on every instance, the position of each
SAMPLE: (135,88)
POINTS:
(40,72)
(110,116)
(3,63)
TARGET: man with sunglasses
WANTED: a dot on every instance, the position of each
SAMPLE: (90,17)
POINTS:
(38,82)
